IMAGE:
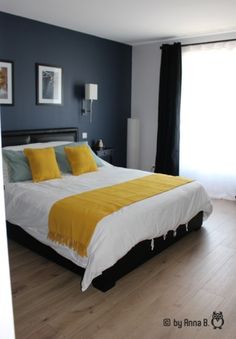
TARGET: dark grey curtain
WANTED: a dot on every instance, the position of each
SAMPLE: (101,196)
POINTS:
(167,157)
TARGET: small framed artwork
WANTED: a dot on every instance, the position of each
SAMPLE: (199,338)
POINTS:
(6,82)
(49,85)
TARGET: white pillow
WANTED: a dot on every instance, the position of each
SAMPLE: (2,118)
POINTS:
(37,145)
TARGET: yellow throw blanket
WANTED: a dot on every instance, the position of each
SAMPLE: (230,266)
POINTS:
(72,220)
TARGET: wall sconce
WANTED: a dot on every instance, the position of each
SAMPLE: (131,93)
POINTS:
(91,93)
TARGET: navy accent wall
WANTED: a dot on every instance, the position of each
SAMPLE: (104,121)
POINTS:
(84,59)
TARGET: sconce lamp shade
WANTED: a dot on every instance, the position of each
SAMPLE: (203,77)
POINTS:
(91,91)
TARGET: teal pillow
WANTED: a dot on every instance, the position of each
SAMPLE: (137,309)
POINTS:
(62,158)
(18,166)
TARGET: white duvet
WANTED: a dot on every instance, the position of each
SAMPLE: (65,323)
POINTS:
(28,205)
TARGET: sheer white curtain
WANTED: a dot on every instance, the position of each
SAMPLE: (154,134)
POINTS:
(208,117)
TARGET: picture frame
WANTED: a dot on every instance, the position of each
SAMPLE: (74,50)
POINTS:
(48,85)
(6,82)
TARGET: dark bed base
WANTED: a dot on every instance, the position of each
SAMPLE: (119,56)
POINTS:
(134,258)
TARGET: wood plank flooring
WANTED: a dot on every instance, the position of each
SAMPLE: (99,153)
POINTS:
(189,280)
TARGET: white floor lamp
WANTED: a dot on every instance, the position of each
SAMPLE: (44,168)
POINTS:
(133,143)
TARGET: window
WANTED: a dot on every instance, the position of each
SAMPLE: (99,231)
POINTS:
(208,117)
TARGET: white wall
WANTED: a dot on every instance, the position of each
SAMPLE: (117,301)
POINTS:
(6,317)
(144,101)
(146,61)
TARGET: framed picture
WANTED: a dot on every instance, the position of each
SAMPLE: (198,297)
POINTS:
(6,82)
(49,85)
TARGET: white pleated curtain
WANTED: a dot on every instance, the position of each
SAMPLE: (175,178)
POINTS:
(208,117)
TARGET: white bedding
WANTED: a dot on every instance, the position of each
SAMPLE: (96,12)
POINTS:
(28,205)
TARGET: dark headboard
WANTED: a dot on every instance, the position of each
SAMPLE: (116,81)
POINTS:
(22,137)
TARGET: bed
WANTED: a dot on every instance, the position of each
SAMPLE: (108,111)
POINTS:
(149,226)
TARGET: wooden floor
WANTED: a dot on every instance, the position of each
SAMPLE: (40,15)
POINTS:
(189,280)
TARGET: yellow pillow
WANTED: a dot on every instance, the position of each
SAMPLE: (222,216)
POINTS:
(81,159)
(42,163)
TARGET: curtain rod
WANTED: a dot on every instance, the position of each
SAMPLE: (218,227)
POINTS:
(205,43)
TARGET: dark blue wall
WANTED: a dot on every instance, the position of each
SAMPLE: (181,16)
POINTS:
(84,59)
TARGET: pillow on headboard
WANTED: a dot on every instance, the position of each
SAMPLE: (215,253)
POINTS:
(15,164)
(62,159)
(18,169)
(81,159)
(37,145)
(43,163)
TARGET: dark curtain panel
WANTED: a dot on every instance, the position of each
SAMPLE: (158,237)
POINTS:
(167,158)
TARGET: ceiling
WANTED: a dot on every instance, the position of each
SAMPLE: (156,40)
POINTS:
(131,21)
